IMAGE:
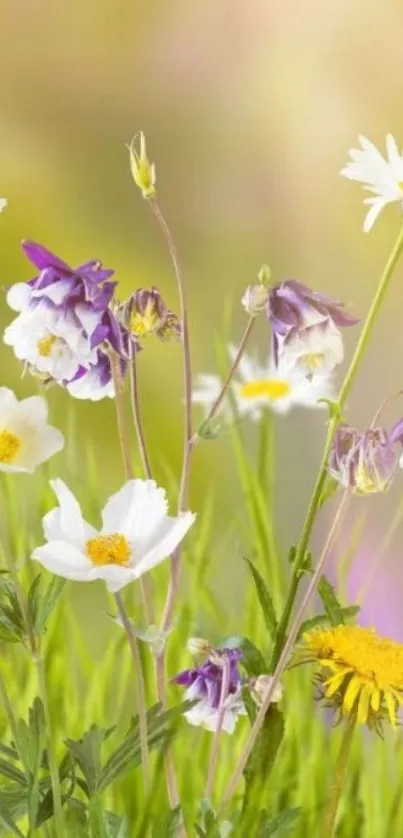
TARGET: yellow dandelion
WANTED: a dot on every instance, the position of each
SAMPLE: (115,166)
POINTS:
(360,672)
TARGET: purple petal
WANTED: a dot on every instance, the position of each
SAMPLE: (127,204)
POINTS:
(396,433)
(43,258)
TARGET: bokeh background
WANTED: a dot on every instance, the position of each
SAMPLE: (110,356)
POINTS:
(250,109)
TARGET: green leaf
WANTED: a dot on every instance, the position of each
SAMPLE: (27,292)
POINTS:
(331,604)
(7,820)
(252,660)
(12,773)
(97,819)
(280,825)
(75,818)
(87,753)
(34,599)
(261,760)
(47,603)
(170,826)
(323,620)
(266,602)
(329,489)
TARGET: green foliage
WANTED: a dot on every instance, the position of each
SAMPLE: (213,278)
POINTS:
(265,600)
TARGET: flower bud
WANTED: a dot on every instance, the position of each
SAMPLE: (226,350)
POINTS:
(259,687)
(144,312)
(198,646)
(255,298)
(142,170)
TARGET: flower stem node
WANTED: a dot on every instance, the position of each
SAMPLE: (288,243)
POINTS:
(142,170)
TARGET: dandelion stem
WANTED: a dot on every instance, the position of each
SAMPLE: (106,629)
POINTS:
(53,766)
(141,697)
(284,657)
(340,771)
(314,504)
(215,748)
(138,425)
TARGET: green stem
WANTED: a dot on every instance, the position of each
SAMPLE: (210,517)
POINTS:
(139,680)
(338,780)
(53,766)
(313,508)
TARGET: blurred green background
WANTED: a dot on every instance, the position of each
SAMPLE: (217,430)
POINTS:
(249,109)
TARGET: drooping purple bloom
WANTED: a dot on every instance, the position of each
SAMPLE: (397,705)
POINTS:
(365,462)
(305,326)
(204,683)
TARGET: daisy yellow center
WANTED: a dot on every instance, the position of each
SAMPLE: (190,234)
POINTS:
(9,446)
(272,388)
(45,346)
(108,549)
(367,670)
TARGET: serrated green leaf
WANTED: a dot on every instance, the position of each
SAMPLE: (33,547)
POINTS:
(170,826)
(6,819)
(265,600)
(75,818)
(87,753)
(330,602)
(12,773)
(47,602)
(280,825)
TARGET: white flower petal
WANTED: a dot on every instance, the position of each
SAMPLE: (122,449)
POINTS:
(64,560)
(19,296)
(116,576)
(73,527)
(55,292)
(3,203)
(135,510)
(163,542)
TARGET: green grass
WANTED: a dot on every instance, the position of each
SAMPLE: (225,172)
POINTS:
(90,678)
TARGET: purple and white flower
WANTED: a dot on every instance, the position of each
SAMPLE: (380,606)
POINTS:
(306,328)
(65,323)
(365,461)
(204,684)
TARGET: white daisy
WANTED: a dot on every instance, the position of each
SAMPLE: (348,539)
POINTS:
(50,342)
(136,535)
(257,387)
(383,177)
(26,440)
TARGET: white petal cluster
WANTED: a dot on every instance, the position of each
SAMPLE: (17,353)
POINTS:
(26,439)
(379,175)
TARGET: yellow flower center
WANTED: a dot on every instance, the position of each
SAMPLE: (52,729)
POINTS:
(108,549)
(313,360)
(9,446)
(270,388)
(146,323)
(45,345)
(367,670)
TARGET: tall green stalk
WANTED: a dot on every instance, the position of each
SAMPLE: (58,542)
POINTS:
(334,422)
(339,776)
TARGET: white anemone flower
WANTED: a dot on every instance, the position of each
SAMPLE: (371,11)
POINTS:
(136,535)
(379,175)
(26,440)
(49,342)
(257,387)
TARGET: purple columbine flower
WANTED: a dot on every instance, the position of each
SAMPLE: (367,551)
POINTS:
(305,327)
(66,322)
(204,683)
(365,462)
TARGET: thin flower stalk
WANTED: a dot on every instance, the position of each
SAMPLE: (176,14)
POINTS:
(287,649)
(340,772)
(334,422)
(215,748)
(138,425)
(141,694)
(133,642)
